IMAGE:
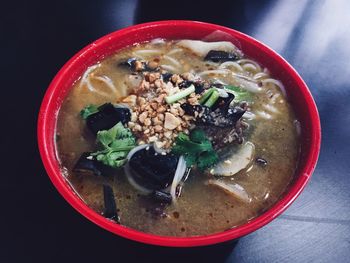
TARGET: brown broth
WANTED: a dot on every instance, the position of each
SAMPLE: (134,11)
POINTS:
(201,209)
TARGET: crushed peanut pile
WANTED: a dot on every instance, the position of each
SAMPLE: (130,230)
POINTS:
(153,120)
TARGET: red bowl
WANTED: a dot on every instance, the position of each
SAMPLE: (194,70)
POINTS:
(298,95)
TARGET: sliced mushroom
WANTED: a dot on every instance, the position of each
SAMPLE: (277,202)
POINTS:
(171,122)
(234,162)
(202,48)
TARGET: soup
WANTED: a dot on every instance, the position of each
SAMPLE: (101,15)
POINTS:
(178,138)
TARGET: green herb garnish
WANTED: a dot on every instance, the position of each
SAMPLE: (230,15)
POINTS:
(240,94)
(180,95)
(88,110)
(206,95)
(115,145)
(210,97)
(196,149)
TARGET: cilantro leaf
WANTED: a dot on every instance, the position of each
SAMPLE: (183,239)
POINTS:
(207,159)
(88,110)
(190,159)
(122,143)
(115,145)
(198,136)
(196,149)
(106,137)
(240,94)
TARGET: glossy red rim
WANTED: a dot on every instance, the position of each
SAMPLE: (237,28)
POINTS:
(298,92)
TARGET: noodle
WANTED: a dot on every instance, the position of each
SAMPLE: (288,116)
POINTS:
(260,75)
(217,71)
(250,66)
(85,77)
(174,51)
(264,115)
(147,52)
(277,83)
(109,83)
(231,64)
(172,60)
(245,61)
(271,108)
(168,68)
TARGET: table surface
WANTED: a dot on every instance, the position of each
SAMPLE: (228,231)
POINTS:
(38,37)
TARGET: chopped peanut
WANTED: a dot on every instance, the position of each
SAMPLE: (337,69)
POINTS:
(179,128)
(153,65)
(158,83)
(133,117)
(152,77)
(152,119)
(130,100)
(171,122)
(161,116)
(161,109)
(154,105)
(160,144)
(152,139)
(147,122)
(158,128)
(137,127)
(143,116)
(193,100)
(138,65)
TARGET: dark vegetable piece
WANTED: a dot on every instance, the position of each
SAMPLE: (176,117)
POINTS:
(136,65)
(110,210)
(130,63)
(87,165)
(161,196)
(234,114)
(223,103)
(107,116)
(153,170)
(261,161)
(216,118)
(185,84)
(166,77)
(220,56)
(220,119)
(191,109)
(199,87)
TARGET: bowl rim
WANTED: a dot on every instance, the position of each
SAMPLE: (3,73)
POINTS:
(51,165)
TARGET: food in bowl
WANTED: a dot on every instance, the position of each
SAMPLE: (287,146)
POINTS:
(178,137)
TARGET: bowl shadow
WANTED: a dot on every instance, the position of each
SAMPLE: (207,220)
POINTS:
(131,251)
